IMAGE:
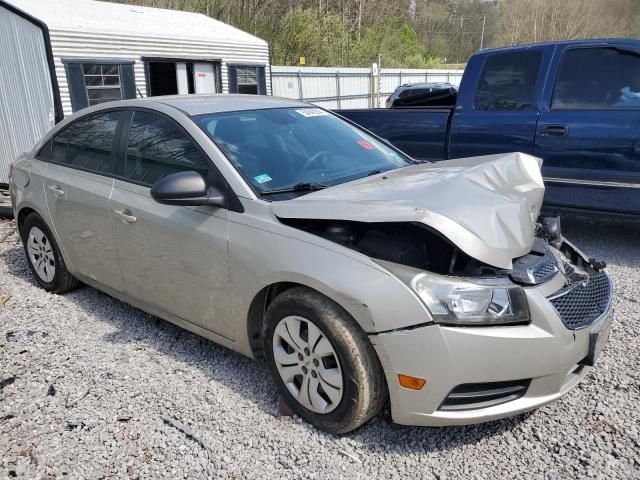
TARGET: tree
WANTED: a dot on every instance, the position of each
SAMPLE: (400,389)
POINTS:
(410,33)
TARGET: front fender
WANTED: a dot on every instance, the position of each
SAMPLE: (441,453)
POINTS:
(375,298)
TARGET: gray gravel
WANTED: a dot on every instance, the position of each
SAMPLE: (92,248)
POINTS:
(102,390)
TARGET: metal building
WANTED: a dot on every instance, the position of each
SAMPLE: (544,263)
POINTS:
(59,56)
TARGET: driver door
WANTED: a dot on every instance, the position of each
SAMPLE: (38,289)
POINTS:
(172,258)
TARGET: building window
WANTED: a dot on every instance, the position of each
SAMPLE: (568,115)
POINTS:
(248,79)
(93,82)
(102,82)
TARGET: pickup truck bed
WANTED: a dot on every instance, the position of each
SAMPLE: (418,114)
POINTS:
(419,132)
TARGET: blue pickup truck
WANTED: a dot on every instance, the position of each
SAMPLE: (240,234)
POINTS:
(575,104)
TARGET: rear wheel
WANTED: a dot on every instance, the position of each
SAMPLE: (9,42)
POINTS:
(45,261)
(322,362)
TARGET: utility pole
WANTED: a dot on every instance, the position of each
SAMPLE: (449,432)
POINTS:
(484,20)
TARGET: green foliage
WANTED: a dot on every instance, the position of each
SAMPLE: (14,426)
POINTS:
(325,41)
(409,33)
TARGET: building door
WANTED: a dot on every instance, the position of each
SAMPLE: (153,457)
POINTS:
(169,77)
(204,78)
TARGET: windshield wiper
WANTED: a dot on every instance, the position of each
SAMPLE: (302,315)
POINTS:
(298,187)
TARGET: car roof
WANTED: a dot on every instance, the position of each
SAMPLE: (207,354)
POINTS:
(426,85)
(220,103)
(589,42)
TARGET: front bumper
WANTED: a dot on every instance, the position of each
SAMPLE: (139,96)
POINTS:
(545,353)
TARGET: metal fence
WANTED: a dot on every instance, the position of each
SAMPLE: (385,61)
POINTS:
(337,88)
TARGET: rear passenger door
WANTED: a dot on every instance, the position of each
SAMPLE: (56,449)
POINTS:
(499,113)
(173,258)
(77,184)
(589,130)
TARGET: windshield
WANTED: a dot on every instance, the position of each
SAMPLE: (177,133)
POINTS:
(297,149)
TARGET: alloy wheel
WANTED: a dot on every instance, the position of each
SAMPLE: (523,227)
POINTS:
(41,255)
(308,364)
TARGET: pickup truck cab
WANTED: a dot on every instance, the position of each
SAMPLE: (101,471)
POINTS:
(575,104)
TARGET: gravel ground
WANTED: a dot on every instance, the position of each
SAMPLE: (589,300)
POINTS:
(92,388)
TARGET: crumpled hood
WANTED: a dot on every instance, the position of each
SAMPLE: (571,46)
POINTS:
(487,206)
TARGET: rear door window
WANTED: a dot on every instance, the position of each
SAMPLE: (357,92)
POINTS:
(88,144)
(614,83)
(508,82)
(158,147)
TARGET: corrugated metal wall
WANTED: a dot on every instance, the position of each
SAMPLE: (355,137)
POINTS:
(349,87)
(26,97)
(69,45)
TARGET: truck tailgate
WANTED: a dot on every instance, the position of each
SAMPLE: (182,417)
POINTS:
(420,133)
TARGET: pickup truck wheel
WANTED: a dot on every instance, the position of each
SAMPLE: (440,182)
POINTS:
(44,258)
(322,362)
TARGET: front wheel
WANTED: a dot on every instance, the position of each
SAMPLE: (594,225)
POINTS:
(322,362)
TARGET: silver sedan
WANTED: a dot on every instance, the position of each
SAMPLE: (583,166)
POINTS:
(282,231)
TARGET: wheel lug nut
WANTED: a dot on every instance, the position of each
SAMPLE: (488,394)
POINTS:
(304,370)
(306,351)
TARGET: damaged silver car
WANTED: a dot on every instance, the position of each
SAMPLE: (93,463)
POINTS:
(282,231)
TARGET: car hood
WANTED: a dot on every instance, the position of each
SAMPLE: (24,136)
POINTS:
(487,206)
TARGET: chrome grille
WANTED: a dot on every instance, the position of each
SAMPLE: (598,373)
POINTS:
(568,269)
(583,302)
(546,268)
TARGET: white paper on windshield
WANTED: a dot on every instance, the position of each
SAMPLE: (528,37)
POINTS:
(312,112)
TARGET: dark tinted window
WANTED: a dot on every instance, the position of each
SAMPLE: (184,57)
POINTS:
(508,82)
(88,143)
(412,91)
(427,97)
(615,83)
(158,147)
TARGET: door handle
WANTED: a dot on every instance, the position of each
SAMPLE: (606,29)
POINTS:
(57,191)
(554,130)
(125,216)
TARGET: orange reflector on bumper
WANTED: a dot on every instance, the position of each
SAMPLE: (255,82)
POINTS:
(412,383)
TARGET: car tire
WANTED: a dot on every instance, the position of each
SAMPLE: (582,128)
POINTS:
(44,257)
(343,385)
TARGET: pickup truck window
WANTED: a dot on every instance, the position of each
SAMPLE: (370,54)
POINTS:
(508,81)
(614,84)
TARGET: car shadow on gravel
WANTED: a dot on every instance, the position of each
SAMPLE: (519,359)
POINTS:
(133,326)
(222,365)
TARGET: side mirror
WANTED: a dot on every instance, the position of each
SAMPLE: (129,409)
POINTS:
(188,189)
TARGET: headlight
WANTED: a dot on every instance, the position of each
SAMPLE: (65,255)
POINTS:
(460,302)
(457,301)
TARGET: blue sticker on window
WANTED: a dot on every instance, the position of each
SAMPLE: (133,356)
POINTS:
(264,178)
